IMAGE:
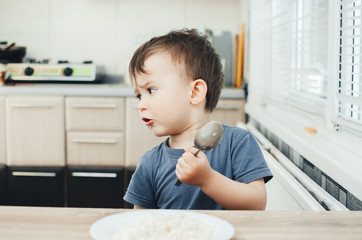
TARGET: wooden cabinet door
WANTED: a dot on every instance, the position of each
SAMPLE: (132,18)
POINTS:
(229,111)
(95,148)
(94,113)
(139,138)
(2,130)
(35,131)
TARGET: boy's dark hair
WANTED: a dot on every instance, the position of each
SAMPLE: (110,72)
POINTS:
(191,48)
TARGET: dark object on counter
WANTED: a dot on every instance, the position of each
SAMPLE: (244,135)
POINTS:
(11,53)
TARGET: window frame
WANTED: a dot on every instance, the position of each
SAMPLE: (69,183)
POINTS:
(337,153)
(340,123)
(301,100)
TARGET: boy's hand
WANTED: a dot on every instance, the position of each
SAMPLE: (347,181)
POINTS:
(193,170)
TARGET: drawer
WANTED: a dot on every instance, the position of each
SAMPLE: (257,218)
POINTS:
(95,148)
(3,185)
(94,114)
(95,187)
(37,186)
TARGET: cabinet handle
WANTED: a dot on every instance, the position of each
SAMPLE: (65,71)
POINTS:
(90,140)
(33,174)
(32,105)
(233,108)
(95,105)
(94,174)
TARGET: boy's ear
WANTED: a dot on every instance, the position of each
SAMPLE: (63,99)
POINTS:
(199,90)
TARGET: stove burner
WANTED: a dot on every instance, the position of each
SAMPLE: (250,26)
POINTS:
(43,71)
(63,61)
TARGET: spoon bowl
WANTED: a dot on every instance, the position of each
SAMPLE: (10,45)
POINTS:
(207,138)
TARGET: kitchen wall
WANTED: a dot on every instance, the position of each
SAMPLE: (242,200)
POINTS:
(107,31)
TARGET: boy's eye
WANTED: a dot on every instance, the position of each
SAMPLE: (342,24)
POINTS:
(139,96)
(151,90)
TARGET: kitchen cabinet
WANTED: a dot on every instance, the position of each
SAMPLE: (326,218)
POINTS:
(4,200)
(36,186)
(35,131)
(81,150)
(95,151)
(95,186)
(2,130)
(35,150)
(95,131)
(3,168)
(229,111)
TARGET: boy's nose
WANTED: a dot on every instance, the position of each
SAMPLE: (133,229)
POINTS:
(141,106)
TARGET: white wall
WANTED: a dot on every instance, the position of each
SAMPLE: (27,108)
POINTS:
(105,31)
(258,49)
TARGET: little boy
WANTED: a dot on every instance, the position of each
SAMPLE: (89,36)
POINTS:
(178,80)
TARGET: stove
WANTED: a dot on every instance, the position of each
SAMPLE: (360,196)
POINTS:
(62,71)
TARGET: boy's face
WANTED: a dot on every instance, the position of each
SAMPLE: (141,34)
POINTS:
(164,93)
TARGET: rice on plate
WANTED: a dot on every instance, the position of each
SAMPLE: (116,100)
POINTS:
(162,227)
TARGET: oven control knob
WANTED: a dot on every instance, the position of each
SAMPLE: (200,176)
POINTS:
(68,72)
(28,71)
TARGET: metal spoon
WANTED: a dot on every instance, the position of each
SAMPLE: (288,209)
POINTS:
(207,138)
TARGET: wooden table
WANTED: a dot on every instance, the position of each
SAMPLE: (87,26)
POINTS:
(74,223)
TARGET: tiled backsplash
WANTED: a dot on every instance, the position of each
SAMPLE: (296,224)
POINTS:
(107,32)
(316,174)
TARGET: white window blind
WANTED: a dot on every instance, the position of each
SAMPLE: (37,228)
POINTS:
(349,89)
(298,52)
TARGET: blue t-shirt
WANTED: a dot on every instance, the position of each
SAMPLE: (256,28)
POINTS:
(237,157)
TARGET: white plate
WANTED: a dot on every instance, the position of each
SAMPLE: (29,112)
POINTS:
(106,228)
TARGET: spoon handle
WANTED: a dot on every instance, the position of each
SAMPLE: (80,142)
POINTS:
(197,152)
(178,182)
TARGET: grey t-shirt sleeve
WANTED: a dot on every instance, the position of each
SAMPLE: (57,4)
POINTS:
(248,161)
(140,190)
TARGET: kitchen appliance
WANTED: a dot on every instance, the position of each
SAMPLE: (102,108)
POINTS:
(63,71)
(11,53)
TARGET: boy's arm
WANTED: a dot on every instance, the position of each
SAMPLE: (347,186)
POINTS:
(228,193)
(231,194)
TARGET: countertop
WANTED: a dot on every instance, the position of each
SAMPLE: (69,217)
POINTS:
(97,89)
(74,223)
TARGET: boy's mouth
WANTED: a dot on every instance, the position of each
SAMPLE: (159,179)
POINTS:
(147,121)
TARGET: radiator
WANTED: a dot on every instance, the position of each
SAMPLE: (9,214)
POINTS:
(291,188)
